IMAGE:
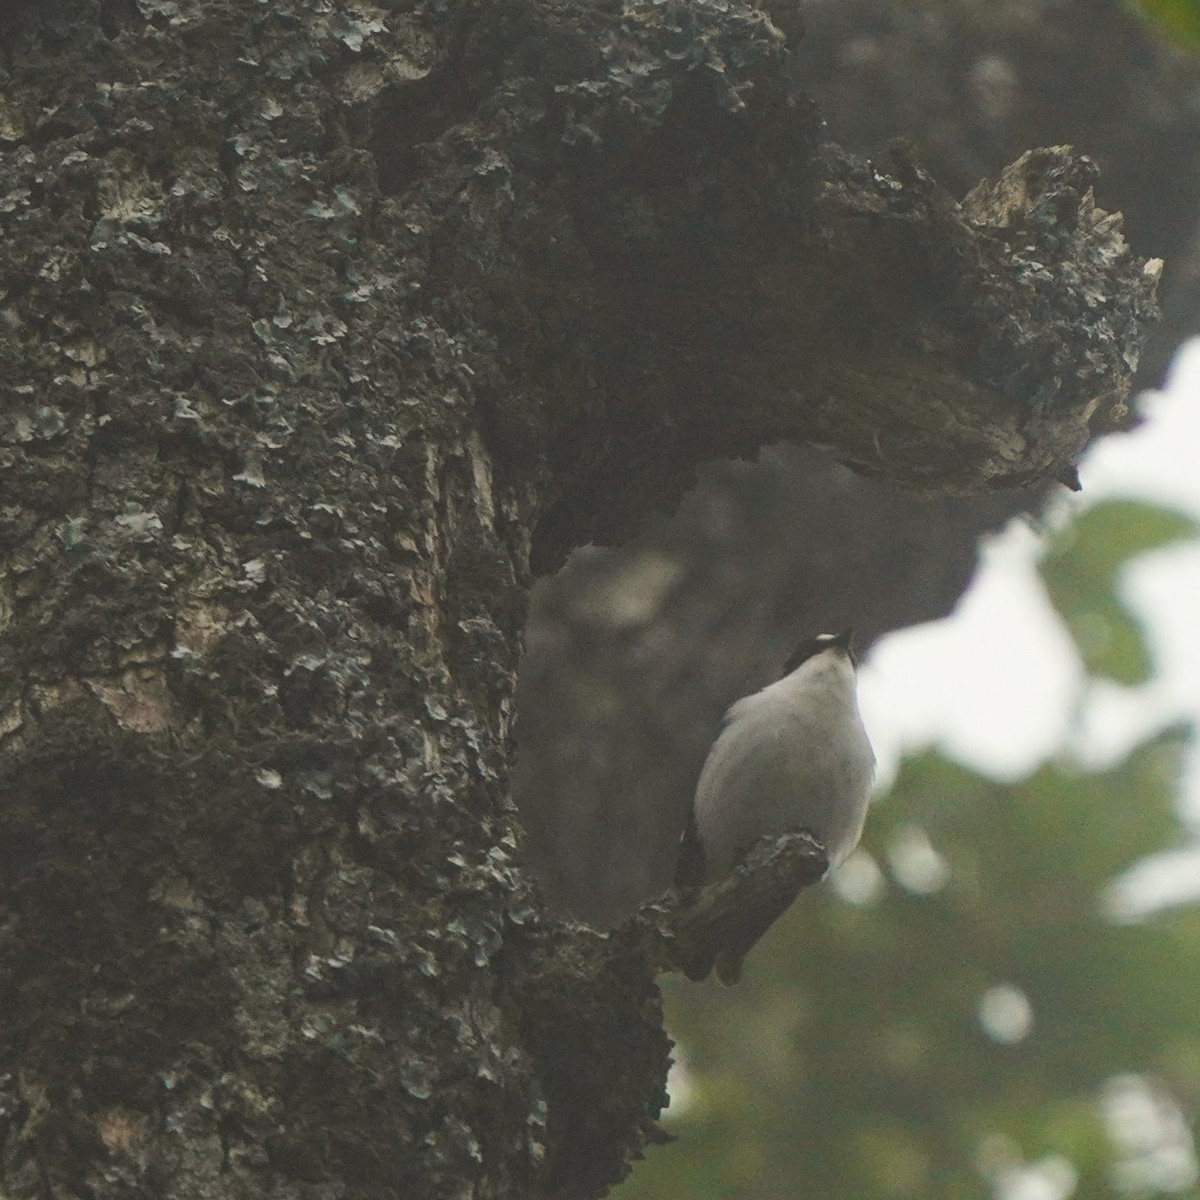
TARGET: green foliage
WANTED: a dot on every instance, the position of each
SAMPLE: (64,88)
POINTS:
(1178,19)
(1081,572)
(853,1061)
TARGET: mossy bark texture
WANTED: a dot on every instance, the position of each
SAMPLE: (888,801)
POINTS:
(323,326)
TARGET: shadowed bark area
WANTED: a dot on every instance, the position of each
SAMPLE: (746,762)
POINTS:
(632,656)
(323,328)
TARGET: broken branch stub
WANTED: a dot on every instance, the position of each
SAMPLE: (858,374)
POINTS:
(716,925)
(972,346)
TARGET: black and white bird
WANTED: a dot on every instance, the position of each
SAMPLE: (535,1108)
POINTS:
(794,755)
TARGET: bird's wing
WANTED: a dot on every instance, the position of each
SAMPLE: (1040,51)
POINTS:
(689,867)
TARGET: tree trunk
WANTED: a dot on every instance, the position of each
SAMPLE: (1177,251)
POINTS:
(324,328)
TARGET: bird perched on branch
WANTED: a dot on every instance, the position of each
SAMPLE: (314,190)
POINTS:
(794,755)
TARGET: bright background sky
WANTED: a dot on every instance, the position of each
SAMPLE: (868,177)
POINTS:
(998,685)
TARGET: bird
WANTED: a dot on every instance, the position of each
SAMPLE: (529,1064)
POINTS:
(794,755)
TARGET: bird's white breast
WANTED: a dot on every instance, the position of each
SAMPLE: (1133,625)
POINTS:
(794,755)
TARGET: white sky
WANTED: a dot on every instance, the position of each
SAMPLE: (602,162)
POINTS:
(998,685)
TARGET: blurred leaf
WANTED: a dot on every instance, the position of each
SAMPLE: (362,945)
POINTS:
(851,1062)
(1080,571)
(857,1059)
(1179,19)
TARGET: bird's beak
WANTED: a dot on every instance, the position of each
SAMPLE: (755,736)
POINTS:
(843,641)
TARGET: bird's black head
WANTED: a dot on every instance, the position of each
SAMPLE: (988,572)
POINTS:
(817,645)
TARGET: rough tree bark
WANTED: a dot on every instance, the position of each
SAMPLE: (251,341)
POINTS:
(325,327)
